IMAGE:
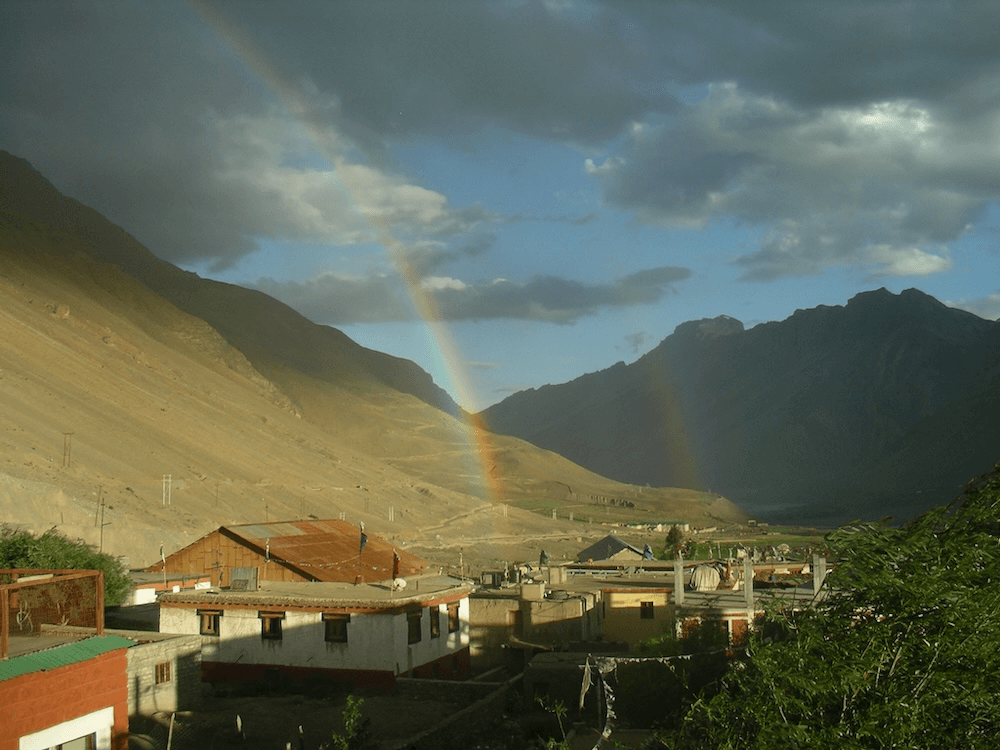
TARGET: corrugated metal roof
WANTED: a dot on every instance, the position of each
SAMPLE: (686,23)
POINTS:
(329,550)
(61,656)
(265,530)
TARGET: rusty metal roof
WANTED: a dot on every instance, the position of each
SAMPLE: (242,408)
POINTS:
(328,550)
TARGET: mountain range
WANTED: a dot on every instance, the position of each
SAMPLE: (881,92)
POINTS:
(882,407)
(142,405)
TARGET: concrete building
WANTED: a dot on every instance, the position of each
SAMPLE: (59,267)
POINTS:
(530,616)
(635,611)
(363,634)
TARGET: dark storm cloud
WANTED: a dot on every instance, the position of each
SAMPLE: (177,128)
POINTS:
(851,133)
(149,113)
(338,301)
(856,133)
(827,53)
(99,97)
(554,299)
(405,69)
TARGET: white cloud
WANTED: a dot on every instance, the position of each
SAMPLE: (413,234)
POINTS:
(911,261)
(888,182)
(326,199)
(985,307)
(437,283)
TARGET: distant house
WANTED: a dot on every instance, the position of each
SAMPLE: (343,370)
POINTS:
(610,548)
(317,550)
(146,586)
(363,634)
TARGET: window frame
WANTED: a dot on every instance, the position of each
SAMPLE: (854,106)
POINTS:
(270,625)
(335,624)
(162,673)
(212,618)
(647,610)
(454,618)
(414,626)
(435,617)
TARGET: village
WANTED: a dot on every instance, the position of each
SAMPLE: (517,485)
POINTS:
(315,610)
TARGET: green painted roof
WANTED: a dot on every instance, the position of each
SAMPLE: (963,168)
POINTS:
(61,656)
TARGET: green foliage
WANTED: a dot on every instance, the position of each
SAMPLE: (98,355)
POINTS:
(357,728)
(19,549)
(557,709)
(903,653)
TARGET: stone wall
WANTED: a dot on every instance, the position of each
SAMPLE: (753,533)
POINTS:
(164,672)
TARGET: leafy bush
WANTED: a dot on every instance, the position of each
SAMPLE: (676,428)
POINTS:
(19,549)
(903,653)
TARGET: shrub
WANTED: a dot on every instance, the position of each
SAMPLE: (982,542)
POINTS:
(20,549)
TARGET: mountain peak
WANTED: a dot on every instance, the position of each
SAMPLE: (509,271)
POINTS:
(709,328)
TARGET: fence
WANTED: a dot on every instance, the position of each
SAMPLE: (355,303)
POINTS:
(31,598)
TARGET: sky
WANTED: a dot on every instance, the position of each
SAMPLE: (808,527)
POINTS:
(519,192)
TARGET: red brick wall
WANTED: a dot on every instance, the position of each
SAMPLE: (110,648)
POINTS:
(39,700)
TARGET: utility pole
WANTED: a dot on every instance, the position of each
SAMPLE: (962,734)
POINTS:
(67,449)
(101,548)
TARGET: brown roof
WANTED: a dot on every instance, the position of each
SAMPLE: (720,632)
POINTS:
(327,550)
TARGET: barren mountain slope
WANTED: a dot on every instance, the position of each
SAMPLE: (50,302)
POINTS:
(107,388)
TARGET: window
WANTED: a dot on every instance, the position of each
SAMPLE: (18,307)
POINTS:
(209,621)
(336,627)
(646,610)
(163,672)
(453,621)
(413,626)
(270,625)
(435,614)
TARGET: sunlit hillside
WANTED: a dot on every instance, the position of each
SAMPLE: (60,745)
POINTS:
(128,421)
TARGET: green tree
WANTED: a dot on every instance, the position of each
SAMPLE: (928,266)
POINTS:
(357,729)
(903,652)
(20,549)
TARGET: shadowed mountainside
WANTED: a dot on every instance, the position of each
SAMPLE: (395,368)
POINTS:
(144,405)
(885,406)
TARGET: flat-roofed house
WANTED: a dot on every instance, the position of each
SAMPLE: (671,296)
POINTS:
(365,634)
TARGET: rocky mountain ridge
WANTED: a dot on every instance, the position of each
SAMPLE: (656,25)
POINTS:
(886,405)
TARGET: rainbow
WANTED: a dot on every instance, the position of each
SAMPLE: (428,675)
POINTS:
(295,100)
